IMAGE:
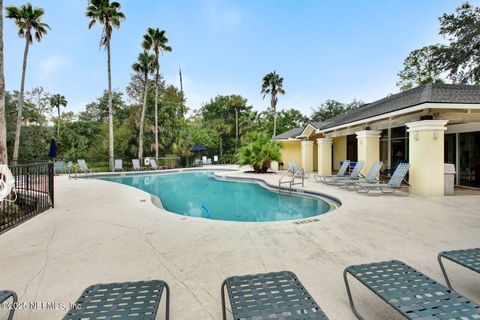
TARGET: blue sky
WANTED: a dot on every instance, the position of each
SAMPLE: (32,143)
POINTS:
(323,49)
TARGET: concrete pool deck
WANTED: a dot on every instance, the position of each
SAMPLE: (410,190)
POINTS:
(102,232)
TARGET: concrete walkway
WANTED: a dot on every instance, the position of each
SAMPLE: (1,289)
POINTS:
(103,232)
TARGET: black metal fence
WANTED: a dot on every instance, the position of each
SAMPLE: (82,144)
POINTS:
(33,194)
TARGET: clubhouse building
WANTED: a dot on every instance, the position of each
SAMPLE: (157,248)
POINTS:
(427,126)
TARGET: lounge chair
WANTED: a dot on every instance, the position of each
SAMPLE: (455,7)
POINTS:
(410,292)
(391,186)
(469,258)
(82,166)
(136,165)
(154,166)
(354,175)
(293,170)
(340,173)
(276,295)
(59,167)
(4,296)
(370,178)
(118,165)
(128,300)
(69,166)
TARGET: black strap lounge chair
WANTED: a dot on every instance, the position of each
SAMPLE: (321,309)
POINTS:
(4,296)
(469,258)
(276,295)
(128,300)
(410,292)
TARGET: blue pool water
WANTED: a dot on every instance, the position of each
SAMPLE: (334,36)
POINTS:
(199,194)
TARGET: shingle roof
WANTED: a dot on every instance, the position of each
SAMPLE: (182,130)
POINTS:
(433,93)
(290,133)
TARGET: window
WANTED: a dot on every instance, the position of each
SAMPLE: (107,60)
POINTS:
(384,146)
(469,152)
(399,148)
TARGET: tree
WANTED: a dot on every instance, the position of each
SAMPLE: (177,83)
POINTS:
(56,101)
(222,129)
(272,85)
(108,14)
(237,103)
(145,65)
(259,152)
(461,57)
(3,124)
(155,40)
(421,67)
(28,20)
(332,108)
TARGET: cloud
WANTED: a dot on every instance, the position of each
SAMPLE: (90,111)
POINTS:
(219,15)
(50,68)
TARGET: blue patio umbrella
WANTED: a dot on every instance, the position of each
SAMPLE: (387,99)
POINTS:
(199,148)
(52,153)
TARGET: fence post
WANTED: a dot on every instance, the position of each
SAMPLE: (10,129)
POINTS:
(51,189)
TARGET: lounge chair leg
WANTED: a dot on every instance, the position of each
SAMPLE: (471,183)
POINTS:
(224,313)
(349,293)
(15,300)
(439,257)
(167,302)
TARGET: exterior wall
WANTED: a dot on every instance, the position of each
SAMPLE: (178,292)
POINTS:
(339,151)
(291,151)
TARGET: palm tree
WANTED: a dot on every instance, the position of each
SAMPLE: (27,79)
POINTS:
(155,40)
(237,103)
(56,101)
(28,21)
(108,14)
(3,124)
(273,85)
(145,65)
(222,128)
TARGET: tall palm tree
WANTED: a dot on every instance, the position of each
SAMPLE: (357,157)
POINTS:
(108,14)
(56,101)
(155,40)
(28,21)
(222,128)
(3,124)
(237,103)
(146,65)
(272,85)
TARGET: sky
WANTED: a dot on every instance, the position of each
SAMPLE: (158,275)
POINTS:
(323,49)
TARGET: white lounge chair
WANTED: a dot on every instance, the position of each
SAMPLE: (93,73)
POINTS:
(136,165)
(354,175)
(7,183)
(370,178)
(118,165)
(83,166)
(293,169)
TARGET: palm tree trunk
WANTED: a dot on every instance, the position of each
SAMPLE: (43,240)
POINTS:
(110,112)
(236,128)
(3,125)
(58,122)
(221,147)
(274,107)
(142,119)
(156,111)
(16,146)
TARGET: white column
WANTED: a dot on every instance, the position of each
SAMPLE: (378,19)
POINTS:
(426,157)
(324,156)
(368,148)
(307,155)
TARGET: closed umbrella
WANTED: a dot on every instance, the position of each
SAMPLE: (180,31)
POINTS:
(52,153)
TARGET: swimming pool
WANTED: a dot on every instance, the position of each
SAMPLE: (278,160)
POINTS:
(200,194)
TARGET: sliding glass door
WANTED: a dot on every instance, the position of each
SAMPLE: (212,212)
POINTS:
(469,159)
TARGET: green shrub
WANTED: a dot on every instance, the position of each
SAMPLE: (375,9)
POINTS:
(259,152)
